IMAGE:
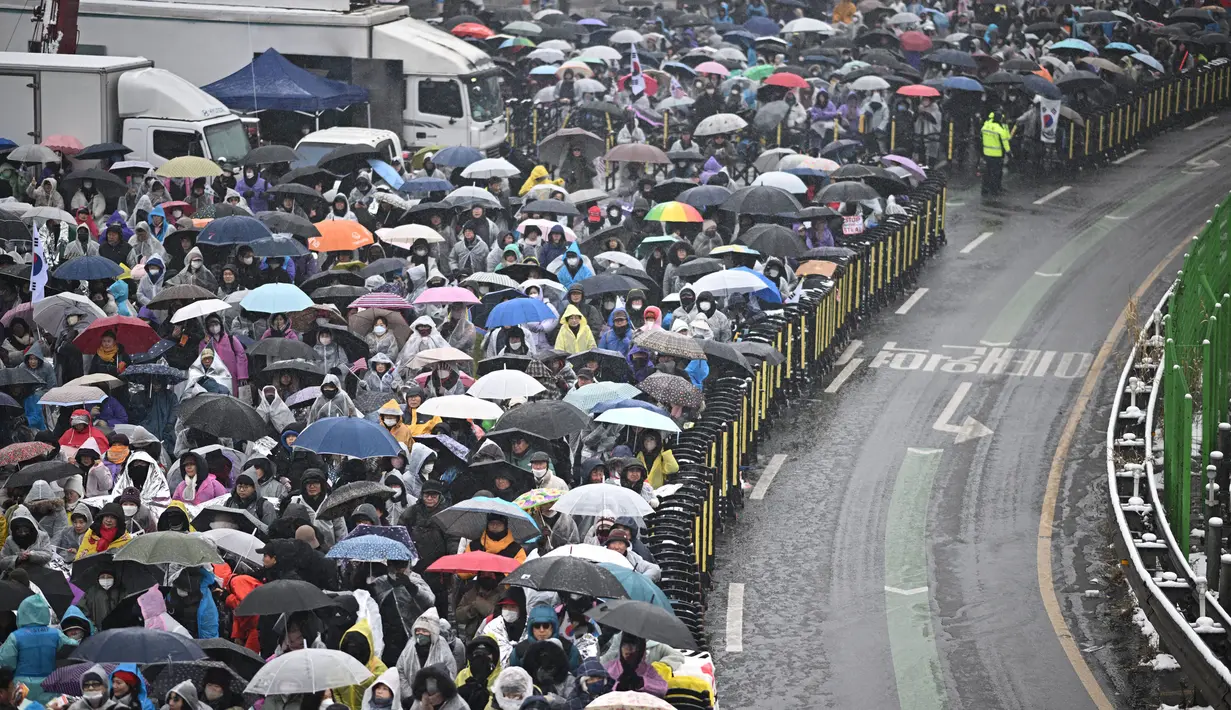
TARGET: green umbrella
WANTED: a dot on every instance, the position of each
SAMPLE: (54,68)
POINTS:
(648,243)
(759,72)
(169,547)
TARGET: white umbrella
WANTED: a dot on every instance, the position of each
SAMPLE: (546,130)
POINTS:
(869,83)
(236,542)
(49,313)
(629,700)
(47,212)
(98,379)
(546,191)
(781,180)
(621,259)
(407,234)
(68,396)
(603,52)
(490,168)
(200,309)
(558,44)
(905,18)
(548,55)
(626,37)
(769,160)
(603,499)
(504,384)
(309,670)
(34,154)
(593,553)
(727,282)
(638,417)
(588,194)
(544,13)
(461,406)
(469,192)
(807,24)
(732,54)
(589,86)
(544,284)
(718,124)
(545,95)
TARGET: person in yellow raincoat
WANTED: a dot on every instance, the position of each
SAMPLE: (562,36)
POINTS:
(575,335)
(357,642)
(844,12)
(538,176)
(390,414)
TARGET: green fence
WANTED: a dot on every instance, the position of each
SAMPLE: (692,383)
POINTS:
(1198,347)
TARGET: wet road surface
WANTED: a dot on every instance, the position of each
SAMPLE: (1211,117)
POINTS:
(891,562)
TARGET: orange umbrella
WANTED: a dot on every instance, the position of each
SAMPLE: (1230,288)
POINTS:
(473,30)
(1042,71)
(816,268)
(340,235)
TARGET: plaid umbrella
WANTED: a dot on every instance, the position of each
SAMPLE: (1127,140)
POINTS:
(67,679)
(669,343)
(371,548)
(14,454)
(672,390)
(588,397)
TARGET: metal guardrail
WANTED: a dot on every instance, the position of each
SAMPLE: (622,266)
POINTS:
(1179,603)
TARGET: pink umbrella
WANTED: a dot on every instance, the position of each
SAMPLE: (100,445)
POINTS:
(446,294)
(67,145)
(381,299)
(712,68)
(25,311)
(911,166)
(545,226)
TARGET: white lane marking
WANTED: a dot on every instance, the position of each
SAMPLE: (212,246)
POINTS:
(955,204)
(977,241)
(906,592)
(767,476)
(910,302)
(1114,218)
(1047,275)
(1200,123)
(1124,159)
(1054,193)
(994,345)
(849,353)
(735,618)
(844,375)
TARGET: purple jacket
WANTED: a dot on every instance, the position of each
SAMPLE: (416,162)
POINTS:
(231,351)
(653,683)
(258,202)
(113,412)
(210,488)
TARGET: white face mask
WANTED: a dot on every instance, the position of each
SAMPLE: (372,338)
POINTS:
(389,421)
(213,692)
(510,615)
(443,374)
(129,510)
(94,699)
(182,592)
(106,582)
(194,264)
(379,330)
(420,252)
(246,260)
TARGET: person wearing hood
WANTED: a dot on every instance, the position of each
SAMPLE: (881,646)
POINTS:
(81,429)
(381,375)
(720,324)
(575,335)
(632,671)
(433,689)
(651,319)
(27,543)
(543,624)
(44,194)
(420,424)
(36,364)
(658,461)
(687,309)
(423,336)
(267,482)
(159,226)
(777,274)
(511,689)
(252,188)
(16,341)
(339,209)
(576,297)
(677,254)
(575,268)
(294,463)
(274,410)
(31,650)
(390,415)
(426,647)
(142,472)
(119,292)
(592,681)
(329,351)
(381,340)
(47,508)
(469,254)
(198,485)
(279,327)
(547,661)
(95,690)
(191,601)
(152,283)
(143,248)
(247,497)
(114,246)
(708,239)
(69,539)
(128,688)
(107,532)
(477,679)
(208,374)
(184,697)
(332,402)
(384,693)
(83,244)
(175,518)
(195,272)
(357,642)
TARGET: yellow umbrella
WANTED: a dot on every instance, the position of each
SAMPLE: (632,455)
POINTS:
(188,166)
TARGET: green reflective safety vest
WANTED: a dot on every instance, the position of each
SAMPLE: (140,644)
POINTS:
(995,139)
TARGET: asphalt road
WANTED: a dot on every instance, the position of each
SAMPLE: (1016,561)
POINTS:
(891,562)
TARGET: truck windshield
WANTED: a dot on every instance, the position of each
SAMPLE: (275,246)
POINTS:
(227,140)
(485,101)
(313,152)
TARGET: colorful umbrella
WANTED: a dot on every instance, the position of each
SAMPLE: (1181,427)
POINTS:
(674,212)
(537,498)
(380,299)
(20,452)
(133,333)
(340,235)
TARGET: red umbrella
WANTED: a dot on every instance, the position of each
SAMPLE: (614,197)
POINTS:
(651,84)
(187,208)
(67,145)
(133,333)
(475,562)
(786,80)
(472,29)
(915,41)
(918,90)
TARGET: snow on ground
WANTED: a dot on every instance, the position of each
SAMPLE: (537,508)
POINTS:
(1163,662)
(1147,629)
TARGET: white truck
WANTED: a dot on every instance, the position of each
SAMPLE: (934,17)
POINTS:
(124,99)
(427,85)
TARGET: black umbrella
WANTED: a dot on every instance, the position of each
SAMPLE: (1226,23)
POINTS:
(613,366)
(670,189)
(348,495)
(224,209)
(231,518)
(338,294)
(547,420)
(645,620)
(383,266)
(761,351)
(226,416)
(1080,79)
(53,585)
(176,297)
(11,594)
(331,277)
(846,192)
(567,574)
(283,596)
(18,376)
(348,158)
(156,351)
(42,471)
(107,183)
(608,283)
(163,677)
(238,658)
(504,362)
(556,207)
(99,151)
(773,239)
(852,171)
(1002,78)
(287,223)
(278,246)
(761,200)
(715,350)
(129,576)
(309,176)
(696,267)
(522,272)
(297,190)
(137,645)
(279,349)
(270,154)
(482,476)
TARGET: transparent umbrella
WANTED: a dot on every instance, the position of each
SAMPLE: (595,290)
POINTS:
(310,670)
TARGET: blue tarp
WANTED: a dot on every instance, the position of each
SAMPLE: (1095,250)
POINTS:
(271,81)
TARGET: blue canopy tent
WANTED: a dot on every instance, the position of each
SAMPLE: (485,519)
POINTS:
(271,81)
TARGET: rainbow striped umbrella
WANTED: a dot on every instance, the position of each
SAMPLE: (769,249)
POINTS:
(674,212)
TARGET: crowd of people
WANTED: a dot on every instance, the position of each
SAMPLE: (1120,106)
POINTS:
(413,385)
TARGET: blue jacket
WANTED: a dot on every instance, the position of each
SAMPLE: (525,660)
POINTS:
(166,226)
(566,277)
(697,371)
(610,341)
(34,411)
(207,610)
(119,291)
(142,692)
(31,649)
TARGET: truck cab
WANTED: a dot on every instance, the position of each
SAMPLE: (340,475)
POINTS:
(317,144)
(165,117)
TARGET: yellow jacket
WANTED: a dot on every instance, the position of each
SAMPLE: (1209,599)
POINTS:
(89,543)
(844,12)
(571,342)
(538,176)
(996,138)
(665,465)
(352,695)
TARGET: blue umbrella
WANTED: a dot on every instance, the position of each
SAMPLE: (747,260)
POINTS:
(136,644)
(275,298)
(397,533)
(588,397)
(762,27)
(545,70)
(939,18)
(423,185)
(458,156)
(962,83)
(1075,44)
(518,311)
(627,404)
(1121,46)
(370,548)
(235,229)
(638,586)
(88,268)
(1041,86)
(348,436)
(770,292)
(386,173)
(1149,61)
(154,371)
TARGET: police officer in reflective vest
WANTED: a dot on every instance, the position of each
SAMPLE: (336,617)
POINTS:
(995,147)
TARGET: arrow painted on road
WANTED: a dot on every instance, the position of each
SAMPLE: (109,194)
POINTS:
(970,428)
(1203,161)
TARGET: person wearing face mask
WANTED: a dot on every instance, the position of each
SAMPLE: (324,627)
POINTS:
(592,681)
(195,272)
(87,196)
(720,324)
(332,402)
(27,543)
(434,689)
(217,693)
(152,283)
(575,269)
(652,320)
(477,679)
(515,342)
(390,414)
(274,271)
(509,622)
(458,331)
(248,268)
(327,349)
(423,336)
(253,188)
(384,692)
(425,646)
(95,691)
(340,209)
(688,306)
(548,662)
(544,473)
(82,245)
(227,349)
(778,274)
(381,376)
(363,189)
(381,340)
(634,303)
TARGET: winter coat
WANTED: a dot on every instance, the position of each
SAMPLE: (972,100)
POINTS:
(470,258)
(444,684)
(652,682)
(230,351)
(188,694)
(68,541)
(31,650)
(253,193)
(47,508)
(610,340)
(566,276)
(438,654)
(142,700)
(39,552)
(208,489)
(340,406)
(149,287)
